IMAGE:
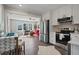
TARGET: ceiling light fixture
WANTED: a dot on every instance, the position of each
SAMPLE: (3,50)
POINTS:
(20,5)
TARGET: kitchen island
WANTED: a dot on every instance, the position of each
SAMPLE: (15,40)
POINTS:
(31,44)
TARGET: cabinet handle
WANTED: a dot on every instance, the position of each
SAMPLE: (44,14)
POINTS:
(76,36)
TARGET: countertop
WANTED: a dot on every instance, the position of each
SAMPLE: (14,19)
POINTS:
(74,39)
(74,42)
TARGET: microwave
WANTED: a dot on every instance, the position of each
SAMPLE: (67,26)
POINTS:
(65,19)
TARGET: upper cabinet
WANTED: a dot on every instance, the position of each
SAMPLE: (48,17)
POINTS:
(76,14)
(54,17)
(68,10)
(65,11)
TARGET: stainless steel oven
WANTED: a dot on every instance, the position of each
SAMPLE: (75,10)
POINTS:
(64,39)
(63,42)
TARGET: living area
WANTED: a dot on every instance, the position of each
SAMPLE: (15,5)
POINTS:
(16,25)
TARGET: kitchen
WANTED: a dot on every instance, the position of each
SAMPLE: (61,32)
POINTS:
(59,25)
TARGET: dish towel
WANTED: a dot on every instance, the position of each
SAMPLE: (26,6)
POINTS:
(61,36)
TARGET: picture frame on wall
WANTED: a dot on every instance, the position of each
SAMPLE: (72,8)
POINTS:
(19,27)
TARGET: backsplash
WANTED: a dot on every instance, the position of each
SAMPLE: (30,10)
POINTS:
(69,25)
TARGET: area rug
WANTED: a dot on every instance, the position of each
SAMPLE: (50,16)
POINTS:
(48,50)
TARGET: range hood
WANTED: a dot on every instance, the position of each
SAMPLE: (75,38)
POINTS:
(64,19)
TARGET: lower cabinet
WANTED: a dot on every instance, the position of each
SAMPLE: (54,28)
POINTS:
(52,39)
(74,49)
(75,14)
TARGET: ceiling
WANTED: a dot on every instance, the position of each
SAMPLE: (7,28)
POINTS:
(37,9)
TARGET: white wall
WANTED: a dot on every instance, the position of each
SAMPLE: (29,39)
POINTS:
(48,16)
(16,15)
(1,17)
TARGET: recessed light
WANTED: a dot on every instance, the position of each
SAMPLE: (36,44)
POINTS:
(20,5)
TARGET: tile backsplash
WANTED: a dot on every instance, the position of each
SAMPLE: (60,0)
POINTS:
(71,26)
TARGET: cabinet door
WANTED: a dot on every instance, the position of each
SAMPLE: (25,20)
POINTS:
(61,12)
(68,10)
(54,18)
(65,11)
(75,49)
(76,14)
(52,38)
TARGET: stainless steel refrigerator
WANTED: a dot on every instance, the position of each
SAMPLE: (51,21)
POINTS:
(44,31)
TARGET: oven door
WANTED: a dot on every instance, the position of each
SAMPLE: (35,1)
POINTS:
(64,40)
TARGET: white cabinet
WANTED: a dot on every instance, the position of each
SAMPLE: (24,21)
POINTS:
(61,12)
(75,37)
(76,14)
(55,17)
(65,11)
(68,10)
(74,49)
(53,38)
(74,44)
